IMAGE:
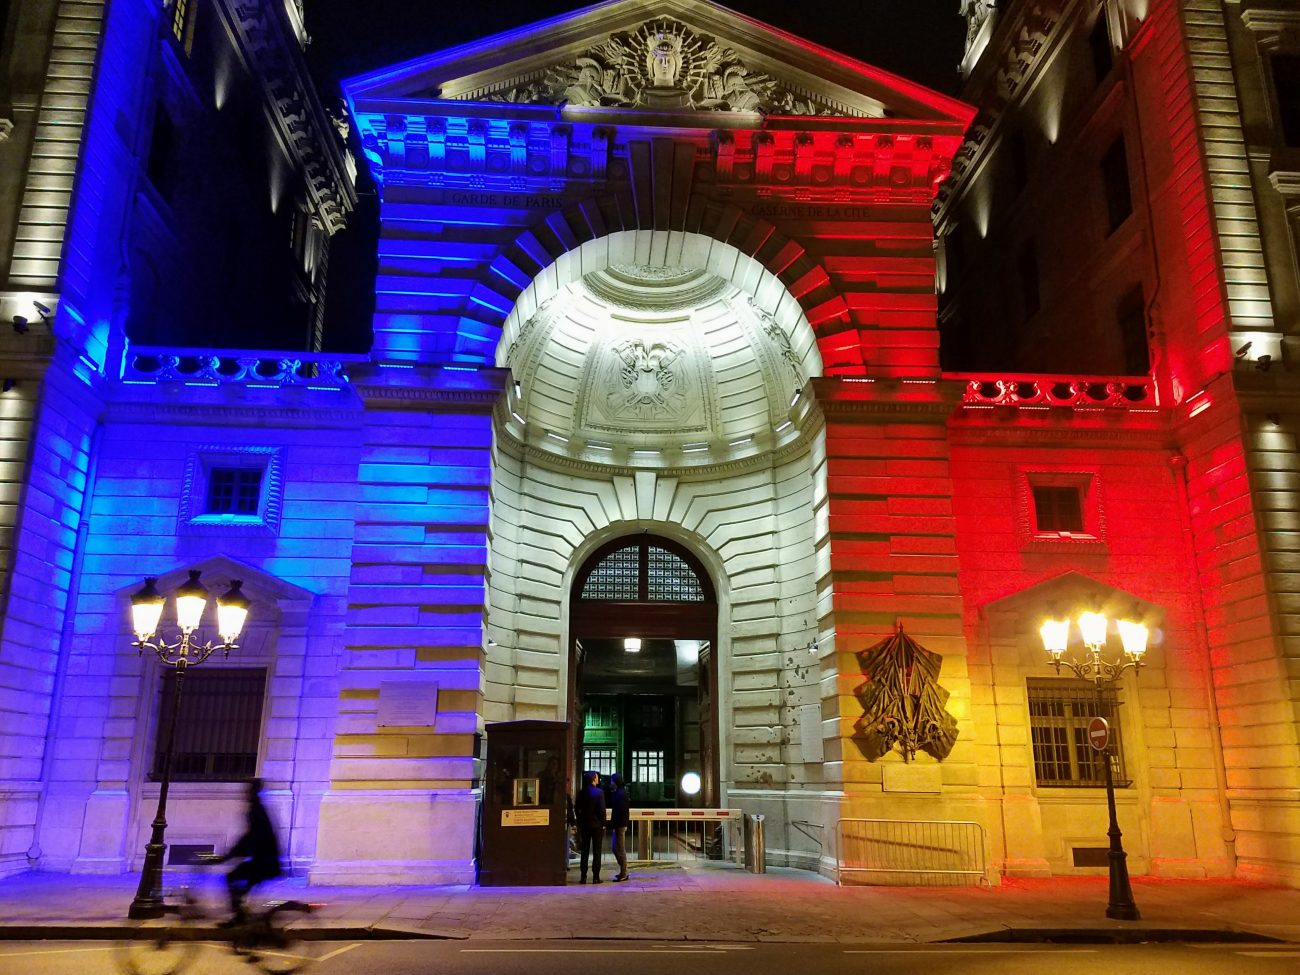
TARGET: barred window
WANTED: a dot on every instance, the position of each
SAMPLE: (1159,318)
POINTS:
(644,572)
(602,761)
(618,576)
(220,724)
(1059,712)
(671,579)
(234,491)
(647,765)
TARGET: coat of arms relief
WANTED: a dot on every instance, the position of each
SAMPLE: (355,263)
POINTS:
(651,381)
(666,65)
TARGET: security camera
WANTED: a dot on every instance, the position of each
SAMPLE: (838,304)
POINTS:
(42,310)
(20,324)
(1241,353)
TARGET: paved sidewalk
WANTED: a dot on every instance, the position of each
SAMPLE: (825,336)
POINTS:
(704,904)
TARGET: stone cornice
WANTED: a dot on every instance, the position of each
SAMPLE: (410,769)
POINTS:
(976,434)
(270,43)
(847,160)
(484,399)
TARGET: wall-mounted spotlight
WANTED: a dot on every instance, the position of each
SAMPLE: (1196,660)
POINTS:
(20,324)
(1264,362)
(632,644)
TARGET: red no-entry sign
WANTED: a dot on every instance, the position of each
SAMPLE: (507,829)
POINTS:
(1099,733)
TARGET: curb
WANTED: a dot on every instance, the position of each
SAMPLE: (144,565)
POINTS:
(1114,936)
(113,931)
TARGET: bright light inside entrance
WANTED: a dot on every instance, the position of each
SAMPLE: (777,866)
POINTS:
(691,783)
(632,644)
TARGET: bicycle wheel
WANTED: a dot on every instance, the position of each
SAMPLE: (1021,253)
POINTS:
(288,939)
(156,948)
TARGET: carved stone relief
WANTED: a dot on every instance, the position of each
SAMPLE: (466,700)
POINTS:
(783,371)
(647,380)
(665,65)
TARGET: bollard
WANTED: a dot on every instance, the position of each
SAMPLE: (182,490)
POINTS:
(755,847)
(645,839)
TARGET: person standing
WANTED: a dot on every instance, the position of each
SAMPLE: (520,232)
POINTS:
(619,820)
(589,807)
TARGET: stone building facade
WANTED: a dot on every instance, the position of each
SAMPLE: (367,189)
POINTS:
(656,307)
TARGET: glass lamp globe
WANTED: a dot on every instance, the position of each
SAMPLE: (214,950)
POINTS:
(191,597)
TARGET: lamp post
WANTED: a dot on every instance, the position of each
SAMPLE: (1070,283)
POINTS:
(186,651)
(1096,667)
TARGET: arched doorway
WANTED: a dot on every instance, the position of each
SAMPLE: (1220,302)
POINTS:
(643,670)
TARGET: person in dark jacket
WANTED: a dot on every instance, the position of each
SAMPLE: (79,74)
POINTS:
(589,807)
(257,850)
(619,820)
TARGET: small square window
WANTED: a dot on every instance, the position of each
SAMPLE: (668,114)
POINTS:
(234,491)
(1058,509)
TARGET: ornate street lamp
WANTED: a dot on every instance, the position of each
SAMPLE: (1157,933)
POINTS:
(146,614)
(1096,667)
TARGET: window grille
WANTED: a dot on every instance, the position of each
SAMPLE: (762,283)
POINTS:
(647,766)
(234,491)
(642,572)
(670,579)
(602,761)
(220,724)
(618,576)
(1057,509)
(1059,712)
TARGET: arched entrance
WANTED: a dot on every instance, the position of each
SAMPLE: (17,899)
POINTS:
(643,674)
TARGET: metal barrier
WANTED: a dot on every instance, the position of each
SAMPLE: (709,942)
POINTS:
(902,852)
(686,835)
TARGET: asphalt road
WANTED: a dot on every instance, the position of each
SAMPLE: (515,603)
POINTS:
(687,958)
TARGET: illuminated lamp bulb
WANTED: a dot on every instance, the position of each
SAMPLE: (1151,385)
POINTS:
(1134,636)
(691,783)
(191,597)
(1093,626)
(1056,636)
(232,612)
(632,644)
(146,611)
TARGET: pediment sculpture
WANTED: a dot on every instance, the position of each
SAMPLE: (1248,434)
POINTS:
(663,65)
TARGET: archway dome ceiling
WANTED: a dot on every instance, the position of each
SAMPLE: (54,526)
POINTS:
(641,349)
(667,57)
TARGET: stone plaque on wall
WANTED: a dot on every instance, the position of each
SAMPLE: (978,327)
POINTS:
(811,744)
(900,777)
(407,704)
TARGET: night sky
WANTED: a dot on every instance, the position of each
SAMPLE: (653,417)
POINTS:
(919,39)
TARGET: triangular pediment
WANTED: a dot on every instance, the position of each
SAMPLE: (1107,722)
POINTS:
(669,55)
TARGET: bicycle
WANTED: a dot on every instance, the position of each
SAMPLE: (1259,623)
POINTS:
(278,937)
